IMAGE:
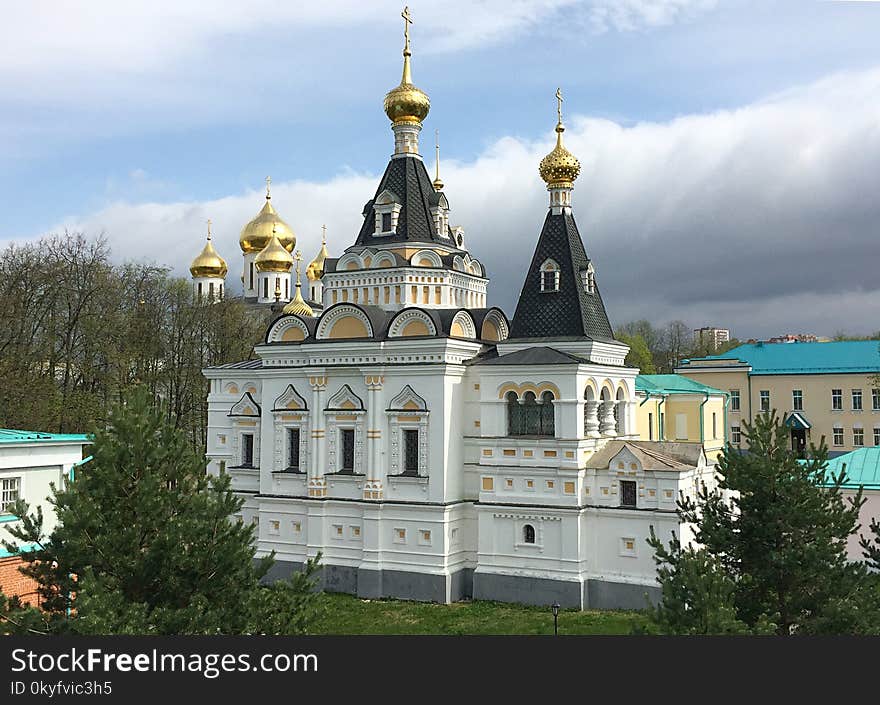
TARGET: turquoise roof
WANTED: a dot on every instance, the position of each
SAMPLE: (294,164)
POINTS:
(11,435)
(862,467)
(848,356)
(672,384)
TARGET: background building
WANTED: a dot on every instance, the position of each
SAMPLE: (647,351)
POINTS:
(824,389)
(711,337)
(30,463)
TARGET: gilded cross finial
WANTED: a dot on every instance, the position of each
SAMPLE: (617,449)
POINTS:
(268,187)
(323,234)
(559,104)
(297,258)
(209,228)
(407,21)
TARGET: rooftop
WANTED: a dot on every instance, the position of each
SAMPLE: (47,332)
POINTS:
(862,467)
(672,384)
(12,435)
(848,356)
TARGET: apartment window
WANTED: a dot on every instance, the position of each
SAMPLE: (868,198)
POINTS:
(765,400)
(10,491)
(247,450)
(838,435)
(627,493)
(877,435)
(347,443)
(797,399)
(836,399)
(293,449)
(734,400)
(858,436)
(735,435)
(411,452)
(857,399)
(875,399)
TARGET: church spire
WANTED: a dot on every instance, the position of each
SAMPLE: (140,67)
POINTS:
(438,183)
(560,168)
(406,106)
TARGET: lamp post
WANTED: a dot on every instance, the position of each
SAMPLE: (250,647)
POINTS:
(555,607)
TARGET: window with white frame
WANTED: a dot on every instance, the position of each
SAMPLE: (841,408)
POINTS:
(875,399)
(10,491)
(528,533)
(735,435)
(877,435)
(857,399)
(797,399)
(858,436)
(293,449)
(765,399)
(836,399)
(549,277)
(734,400)
(837,435)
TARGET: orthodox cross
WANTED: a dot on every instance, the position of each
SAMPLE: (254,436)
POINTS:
(407,21)
(268,187)
(297,257)
(559,104)
(323,234)
(209,228)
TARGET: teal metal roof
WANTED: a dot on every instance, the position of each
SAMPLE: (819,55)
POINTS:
(672,384)
(797,420)
(848,356)
(862,467)
(11,435)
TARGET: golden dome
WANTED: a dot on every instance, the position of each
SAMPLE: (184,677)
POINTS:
(406,103)
(298,306)
(274,257)
(315,270)
(257,233)
(208,263)
(560,168)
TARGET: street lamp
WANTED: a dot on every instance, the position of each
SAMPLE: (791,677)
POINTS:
(555,607)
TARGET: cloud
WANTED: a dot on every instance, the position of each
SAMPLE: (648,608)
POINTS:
(763,219)
(632,15)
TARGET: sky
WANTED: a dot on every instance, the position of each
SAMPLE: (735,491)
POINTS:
(729,149)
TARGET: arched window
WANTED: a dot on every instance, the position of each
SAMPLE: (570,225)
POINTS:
(514,415)
(549,276)
(528,534)
(548,425)
(530,416)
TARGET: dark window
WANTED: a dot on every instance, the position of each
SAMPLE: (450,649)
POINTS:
(548,424)
(530,417)
(200,291)
(266,288)
(247,450)
(293,449)
(211,289)
(347,437)
(251,277)
(386,222)
(627,493)
(514,415)
(528,534)
(411,452)
(550,280)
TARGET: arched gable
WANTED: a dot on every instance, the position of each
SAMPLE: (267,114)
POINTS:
(344,321)
(408,400)
(386,198)
(245,407)
(290,399)
(426,258)
(463,326)
(383,259)
(411,322)
(287,329)
(345,400)
(349,261)
(494,326)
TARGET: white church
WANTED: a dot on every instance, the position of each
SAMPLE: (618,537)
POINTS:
(428,446)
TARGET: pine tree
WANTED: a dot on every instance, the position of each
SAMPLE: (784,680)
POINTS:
(146,542)
(777,529)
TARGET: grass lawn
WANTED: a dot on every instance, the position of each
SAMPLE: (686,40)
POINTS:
(345,614)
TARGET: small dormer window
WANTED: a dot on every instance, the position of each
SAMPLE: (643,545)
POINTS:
(387,210)
(386,222)
(588,279)
(549,276)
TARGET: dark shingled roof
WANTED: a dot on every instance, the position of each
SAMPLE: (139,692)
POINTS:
(571,311)
(407,178)
(534,356)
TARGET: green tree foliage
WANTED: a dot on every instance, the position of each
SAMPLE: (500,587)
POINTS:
(76,331)
(777,533)
(639,355)
(147,543)
(667,345)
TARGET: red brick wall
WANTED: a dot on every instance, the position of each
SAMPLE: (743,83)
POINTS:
(12,582)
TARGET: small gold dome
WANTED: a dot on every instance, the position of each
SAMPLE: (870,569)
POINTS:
(560,168)
(208,263)
(257,233)
(297,306)
(274,257)
(406,103)
(315,270)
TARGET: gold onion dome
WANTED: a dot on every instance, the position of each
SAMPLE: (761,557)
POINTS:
(208,263)
(298,306)
(274,257)
(406,103)
(257,233)
(315,270)
(560,168)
